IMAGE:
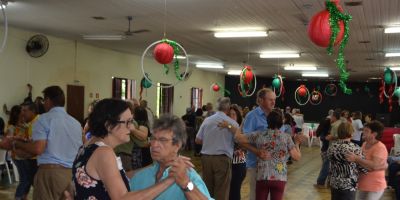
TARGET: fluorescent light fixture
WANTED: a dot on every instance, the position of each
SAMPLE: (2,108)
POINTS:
(104,37)
(315,74)
(395,68)
(234,72)
(392,30)
(374,78)
(392,54)
(180,57)
(210,65)
(301,67)
(232,34)
(279,55)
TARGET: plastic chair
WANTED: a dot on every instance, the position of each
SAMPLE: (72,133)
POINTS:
(15,171)
(306,133)
(3,161)
(395,151)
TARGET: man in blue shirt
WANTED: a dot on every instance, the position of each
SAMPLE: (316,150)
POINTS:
(168,138)
(57,137)
(256,120)
(217,150)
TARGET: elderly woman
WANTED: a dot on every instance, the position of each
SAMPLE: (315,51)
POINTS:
(343,174)
(97,171)
(274,148)
(372,185)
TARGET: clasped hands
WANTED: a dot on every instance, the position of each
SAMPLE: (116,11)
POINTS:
(178,170)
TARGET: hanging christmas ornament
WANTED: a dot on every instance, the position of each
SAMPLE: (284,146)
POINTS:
(277,86)
(397,93)
(216,87)
(247,79)
(316,97)
(319,29)
(302,95)
(318,33)
(162,53)
(144,83)
(331,90)
(388,86)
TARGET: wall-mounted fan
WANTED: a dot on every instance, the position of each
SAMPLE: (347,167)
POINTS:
(37,46)
(121,36)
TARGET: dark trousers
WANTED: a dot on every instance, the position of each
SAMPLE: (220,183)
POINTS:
(323,173)
(26,170)
(238,175)
(264,187)
(393,178)
(342,194)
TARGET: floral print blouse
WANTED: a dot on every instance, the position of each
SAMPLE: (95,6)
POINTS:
(87,187)
(279,145)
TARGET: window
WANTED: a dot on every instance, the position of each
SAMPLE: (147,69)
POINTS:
(165,99)
(123,88)
(196,99)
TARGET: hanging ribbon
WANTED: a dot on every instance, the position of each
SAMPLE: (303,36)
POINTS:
(176,61)
(335,17)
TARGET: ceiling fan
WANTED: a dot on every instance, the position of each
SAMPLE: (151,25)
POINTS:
(123,36)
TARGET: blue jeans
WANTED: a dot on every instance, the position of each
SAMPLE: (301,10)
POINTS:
(27,170)
(323,173)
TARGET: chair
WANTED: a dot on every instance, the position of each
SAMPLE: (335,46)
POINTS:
(395,151)
(15,171)
(3,161)
(306,133)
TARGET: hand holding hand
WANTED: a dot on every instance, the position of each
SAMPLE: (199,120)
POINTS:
(351,157)
(178,171)
(264,154)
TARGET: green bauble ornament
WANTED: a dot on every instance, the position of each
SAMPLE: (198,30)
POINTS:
(276,83)
(397,92)
(388,76)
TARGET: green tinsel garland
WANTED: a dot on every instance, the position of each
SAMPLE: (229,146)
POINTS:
(176,61)
(335,17)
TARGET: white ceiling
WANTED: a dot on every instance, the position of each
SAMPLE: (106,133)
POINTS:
(192,22)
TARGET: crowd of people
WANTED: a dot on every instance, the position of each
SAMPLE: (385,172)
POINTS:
(124,152)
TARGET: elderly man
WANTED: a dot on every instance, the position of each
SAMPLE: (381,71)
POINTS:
(217,150)
(56,139)
(256,120)
(168,138)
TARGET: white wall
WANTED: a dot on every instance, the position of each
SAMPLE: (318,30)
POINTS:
(94,69)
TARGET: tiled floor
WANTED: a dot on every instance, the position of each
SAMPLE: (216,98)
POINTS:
(302,176)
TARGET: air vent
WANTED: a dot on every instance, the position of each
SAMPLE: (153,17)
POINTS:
(353,3)
(364,42)
(98,18)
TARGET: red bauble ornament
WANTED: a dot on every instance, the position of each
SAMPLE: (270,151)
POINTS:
(248,76)
(163,53)
(302,91)
(319,29)
(215,87)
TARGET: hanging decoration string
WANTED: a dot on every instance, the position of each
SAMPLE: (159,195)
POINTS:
(335,17)
(165,18)
(3,3)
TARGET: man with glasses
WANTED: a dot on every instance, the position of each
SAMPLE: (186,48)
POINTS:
(169,136)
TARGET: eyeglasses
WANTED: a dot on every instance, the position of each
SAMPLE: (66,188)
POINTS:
(161,140)
(127,122)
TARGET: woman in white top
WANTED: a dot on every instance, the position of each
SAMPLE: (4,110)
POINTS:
(358,128)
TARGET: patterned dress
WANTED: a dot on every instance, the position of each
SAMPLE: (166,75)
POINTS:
(344,174)
(279,145)
(87,187)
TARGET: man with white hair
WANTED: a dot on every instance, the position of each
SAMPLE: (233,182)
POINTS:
(217,150)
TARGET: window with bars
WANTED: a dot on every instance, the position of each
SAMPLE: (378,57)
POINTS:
(165,99)
(196,99)
(123,88)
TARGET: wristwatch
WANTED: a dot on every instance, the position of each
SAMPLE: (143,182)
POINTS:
(189,187)
(229,126)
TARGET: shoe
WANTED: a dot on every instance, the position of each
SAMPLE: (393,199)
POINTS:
(318,186)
